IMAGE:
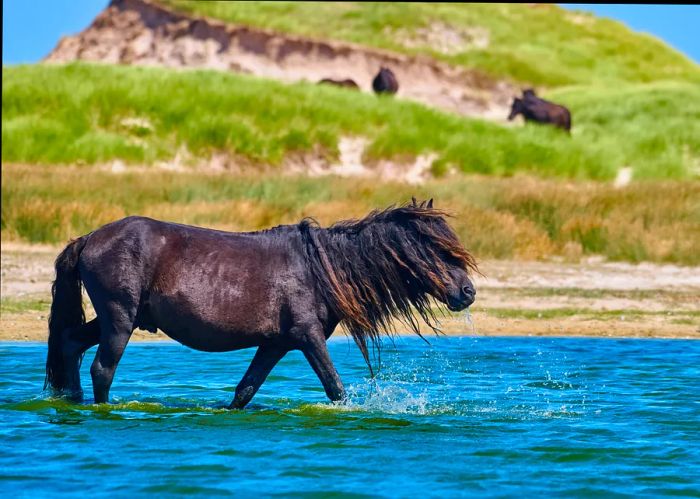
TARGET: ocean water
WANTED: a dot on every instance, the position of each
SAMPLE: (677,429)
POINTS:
(463,416)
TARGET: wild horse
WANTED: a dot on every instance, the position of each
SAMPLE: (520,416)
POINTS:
(533,108)
(279,289)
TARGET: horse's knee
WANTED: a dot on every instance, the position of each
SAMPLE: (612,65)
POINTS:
(98,373)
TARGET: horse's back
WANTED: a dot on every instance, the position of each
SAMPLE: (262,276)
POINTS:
(208,289)
(141,247)
(556,113)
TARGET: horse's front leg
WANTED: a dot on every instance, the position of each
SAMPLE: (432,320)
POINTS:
(316,352)
(265,359)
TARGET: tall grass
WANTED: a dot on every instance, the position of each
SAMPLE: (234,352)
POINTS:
(518,217)
(541,44)
(624,121)
(92,113)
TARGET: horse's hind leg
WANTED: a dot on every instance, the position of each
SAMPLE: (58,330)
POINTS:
(116,326)
(265,359)
(77,341)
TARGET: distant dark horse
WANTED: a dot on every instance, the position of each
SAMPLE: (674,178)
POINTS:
(536,109)
(348,83)
(281,289)
(385,82)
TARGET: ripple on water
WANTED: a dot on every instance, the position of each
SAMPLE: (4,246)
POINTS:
(461,416)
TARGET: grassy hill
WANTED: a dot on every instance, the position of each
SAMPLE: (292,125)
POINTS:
(539,44)
(91,114)
(523,192)
(83,114)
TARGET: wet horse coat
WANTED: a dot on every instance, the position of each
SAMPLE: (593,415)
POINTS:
(280,289)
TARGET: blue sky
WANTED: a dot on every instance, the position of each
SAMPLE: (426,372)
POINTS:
(31,28)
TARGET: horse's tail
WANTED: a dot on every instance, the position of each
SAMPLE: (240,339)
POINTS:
(66,310)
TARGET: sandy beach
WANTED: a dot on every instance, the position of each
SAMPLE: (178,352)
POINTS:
(589,298)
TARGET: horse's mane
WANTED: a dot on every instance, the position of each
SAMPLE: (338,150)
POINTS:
(381,266)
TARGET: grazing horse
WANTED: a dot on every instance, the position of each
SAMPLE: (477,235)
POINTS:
(348,83)
(281,289)
(534,108)
(385,82)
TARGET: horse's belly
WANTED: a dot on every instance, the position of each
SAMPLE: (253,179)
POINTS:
(209,340)
(211,329)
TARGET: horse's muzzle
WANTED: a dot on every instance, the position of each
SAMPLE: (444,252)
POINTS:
(467,297)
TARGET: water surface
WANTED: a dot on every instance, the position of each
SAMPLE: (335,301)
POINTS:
(463,416)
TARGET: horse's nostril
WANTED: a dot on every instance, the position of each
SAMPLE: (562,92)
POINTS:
(468,292)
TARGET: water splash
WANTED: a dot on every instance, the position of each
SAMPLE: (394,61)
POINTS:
(387,398)
(469,320)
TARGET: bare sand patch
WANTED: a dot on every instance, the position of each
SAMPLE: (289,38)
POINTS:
(350,163)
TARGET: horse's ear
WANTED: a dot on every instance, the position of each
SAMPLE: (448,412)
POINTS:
(413,198)
(430,203)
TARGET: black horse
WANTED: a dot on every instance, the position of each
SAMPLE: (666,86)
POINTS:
(279,289)
(534,108)
(385,82)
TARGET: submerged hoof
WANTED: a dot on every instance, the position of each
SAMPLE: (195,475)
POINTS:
(75,396)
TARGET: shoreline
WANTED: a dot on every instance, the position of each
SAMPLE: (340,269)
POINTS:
(341,337)
(16,328)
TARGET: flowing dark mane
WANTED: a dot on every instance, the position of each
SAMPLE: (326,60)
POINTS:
(382,267)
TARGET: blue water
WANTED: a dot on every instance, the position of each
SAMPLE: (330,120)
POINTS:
(463,416)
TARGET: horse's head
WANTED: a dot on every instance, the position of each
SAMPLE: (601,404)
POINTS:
(516,108)
(390,264)
(447,279)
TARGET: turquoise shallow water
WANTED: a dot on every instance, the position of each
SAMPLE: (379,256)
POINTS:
(463,416)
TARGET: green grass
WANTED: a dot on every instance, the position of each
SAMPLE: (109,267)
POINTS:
(17,306)
(635,294)
(81,114)
(543,44)
(624,121)
(519,217)
(686,316)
